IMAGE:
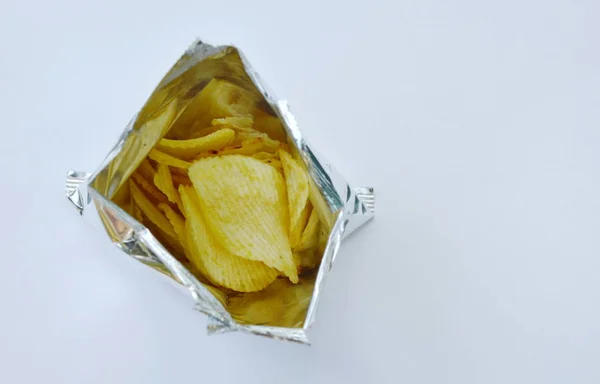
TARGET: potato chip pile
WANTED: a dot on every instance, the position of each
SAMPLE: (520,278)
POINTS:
(223,192)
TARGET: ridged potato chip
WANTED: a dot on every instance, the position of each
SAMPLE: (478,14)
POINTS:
(218,99)
(296,181)
(151,211)
(177,222)
(270,158)
(149,188)
(164,181)
(179,179)
(146,170)
(136,212)
(246,148)
(268,144)
(233,122)
(245,204)
(310,235)
(266,156)
(165,158)
(189,148)
(217,264)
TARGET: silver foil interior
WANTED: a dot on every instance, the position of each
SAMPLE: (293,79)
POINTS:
(92,194)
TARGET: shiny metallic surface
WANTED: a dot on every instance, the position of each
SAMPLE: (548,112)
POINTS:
(96,197)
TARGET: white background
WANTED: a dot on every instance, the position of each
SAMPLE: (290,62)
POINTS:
(477,122)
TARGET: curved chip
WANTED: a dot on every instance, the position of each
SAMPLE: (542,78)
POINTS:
(310,235)
(146,169)
(245,206)
(296,181)
(266,156)
(151,211)
(149,188)
(245,148)
(165,158)
(214,262)
(218,99)
(190,148)
(179,179)
(177,222)
(164,181)
(233,122)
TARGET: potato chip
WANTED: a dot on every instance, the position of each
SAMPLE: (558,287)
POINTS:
(275,164)
(167,240)
(151,211)
(149,188)
(146,170)
(246,148)
(296,181)
(265,156)
(137,212)
(310,235)
(176,220)
(271,159)
(269,144)
(164,158)
(179,179)
(164,182)
(233,122)
(214,262)
(218,99)
(193,147)
(246,209)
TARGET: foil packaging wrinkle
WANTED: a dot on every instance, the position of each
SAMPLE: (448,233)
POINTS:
(95,196)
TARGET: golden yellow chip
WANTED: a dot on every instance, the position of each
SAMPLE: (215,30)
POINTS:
(134,209)
(149,188)
(164,158)
(266,156)
(179,179)
(310,235)
(193,147)
(246,148)
(164,182)
(245,207)
(177,222)
(218,99)
(214,262)
(233,122)
(151,211)
(146,170)
(269,145)
(168,241)
(296,181)
(275,164)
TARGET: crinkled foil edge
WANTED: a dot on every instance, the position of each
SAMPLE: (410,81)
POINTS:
(355,206)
